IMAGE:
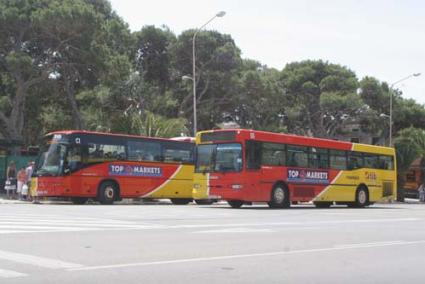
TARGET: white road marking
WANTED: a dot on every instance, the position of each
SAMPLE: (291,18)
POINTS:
(9,225)
(253,255)
(315,223)
(365,245)
(37,261)
(11,274)
(237,230)
(63,225)
(25,226)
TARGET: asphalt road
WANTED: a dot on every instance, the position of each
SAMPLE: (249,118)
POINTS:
(60,243)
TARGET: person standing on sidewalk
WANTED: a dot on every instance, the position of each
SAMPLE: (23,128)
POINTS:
(22,179)
(29,170)
(421,191)
(11,178)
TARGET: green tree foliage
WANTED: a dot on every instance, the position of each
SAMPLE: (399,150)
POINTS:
(217,65)
(311,89)
(81,46)
(74,44)
(21,63)
(75,64)
(259,104)
(409,145)
(152,54)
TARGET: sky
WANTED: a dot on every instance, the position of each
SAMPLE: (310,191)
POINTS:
(382,39)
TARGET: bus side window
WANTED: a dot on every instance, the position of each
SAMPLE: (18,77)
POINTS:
(253,154)
(273,154)
(386,162)
(297,156)
(176,153)
(355,161)
(143,150)
(338,159)
(351,163)
(318,158)
(371,161)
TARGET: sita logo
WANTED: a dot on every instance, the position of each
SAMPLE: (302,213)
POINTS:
(371,176)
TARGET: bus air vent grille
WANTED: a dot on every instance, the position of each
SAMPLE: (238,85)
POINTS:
(387,189)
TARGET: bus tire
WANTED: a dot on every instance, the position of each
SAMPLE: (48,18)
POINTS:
(235,203)
(279,197)
(180,201)
(322,204)
(362,197)
(108,192)
(204,201)
(79,200)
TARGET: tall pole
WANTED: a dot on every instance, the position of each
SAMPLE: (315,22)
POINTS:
(391,103)
(219,14)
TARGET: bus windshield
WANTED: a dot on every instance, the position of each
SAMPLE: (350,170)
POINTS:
(219,158)
(50,162)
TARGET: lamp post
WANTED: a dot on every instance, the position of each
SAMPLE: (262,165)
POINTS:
(391,102)
(219,14)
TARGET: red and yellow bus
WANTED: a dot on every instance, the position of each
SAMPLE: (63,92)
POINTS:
(245,166)
(109,167)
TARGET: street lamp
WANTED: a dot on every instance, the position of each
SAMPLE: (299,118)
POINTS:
(219,14)
(391,102)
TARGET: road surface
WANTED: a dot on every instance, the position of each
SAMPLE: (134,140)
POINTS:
(164,243)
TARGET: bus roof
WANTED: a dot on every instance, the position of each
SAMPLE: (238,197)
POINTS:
(304,140)
(86,132)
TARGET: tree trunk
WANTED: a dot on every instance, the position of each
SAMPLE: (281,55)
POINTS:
(14,124)
(70,93)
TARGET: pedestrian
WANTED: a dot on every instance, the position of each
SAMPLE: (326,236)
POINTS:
(22,179)
(29,170)
(24,192)
(11,179)
(421,191)
(32,189)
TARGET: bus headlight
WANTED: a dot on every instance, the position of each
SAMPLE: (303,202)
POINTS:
(237,186)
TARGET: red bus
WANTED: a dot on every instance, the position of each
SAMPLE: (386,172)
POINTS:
(109,167)
(244,166)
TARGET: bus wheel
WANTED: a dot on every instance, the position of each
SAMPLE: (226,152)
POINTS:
(79,200)
(323,204)
(235,203)
(280,197)
(180,201)
(204,201)
(362,197)
(107,192)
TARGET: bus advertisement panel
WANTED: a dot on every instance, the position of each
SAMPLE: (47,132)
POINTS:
(244,166)
(109,167)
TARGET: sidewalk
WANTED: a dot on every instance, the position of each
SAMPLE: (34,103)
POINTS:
(4,200)
(127,201)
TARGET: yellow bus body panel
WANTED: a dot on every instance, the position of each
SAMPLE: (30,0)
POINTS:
(177,186)
(344,186)
(200,186)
